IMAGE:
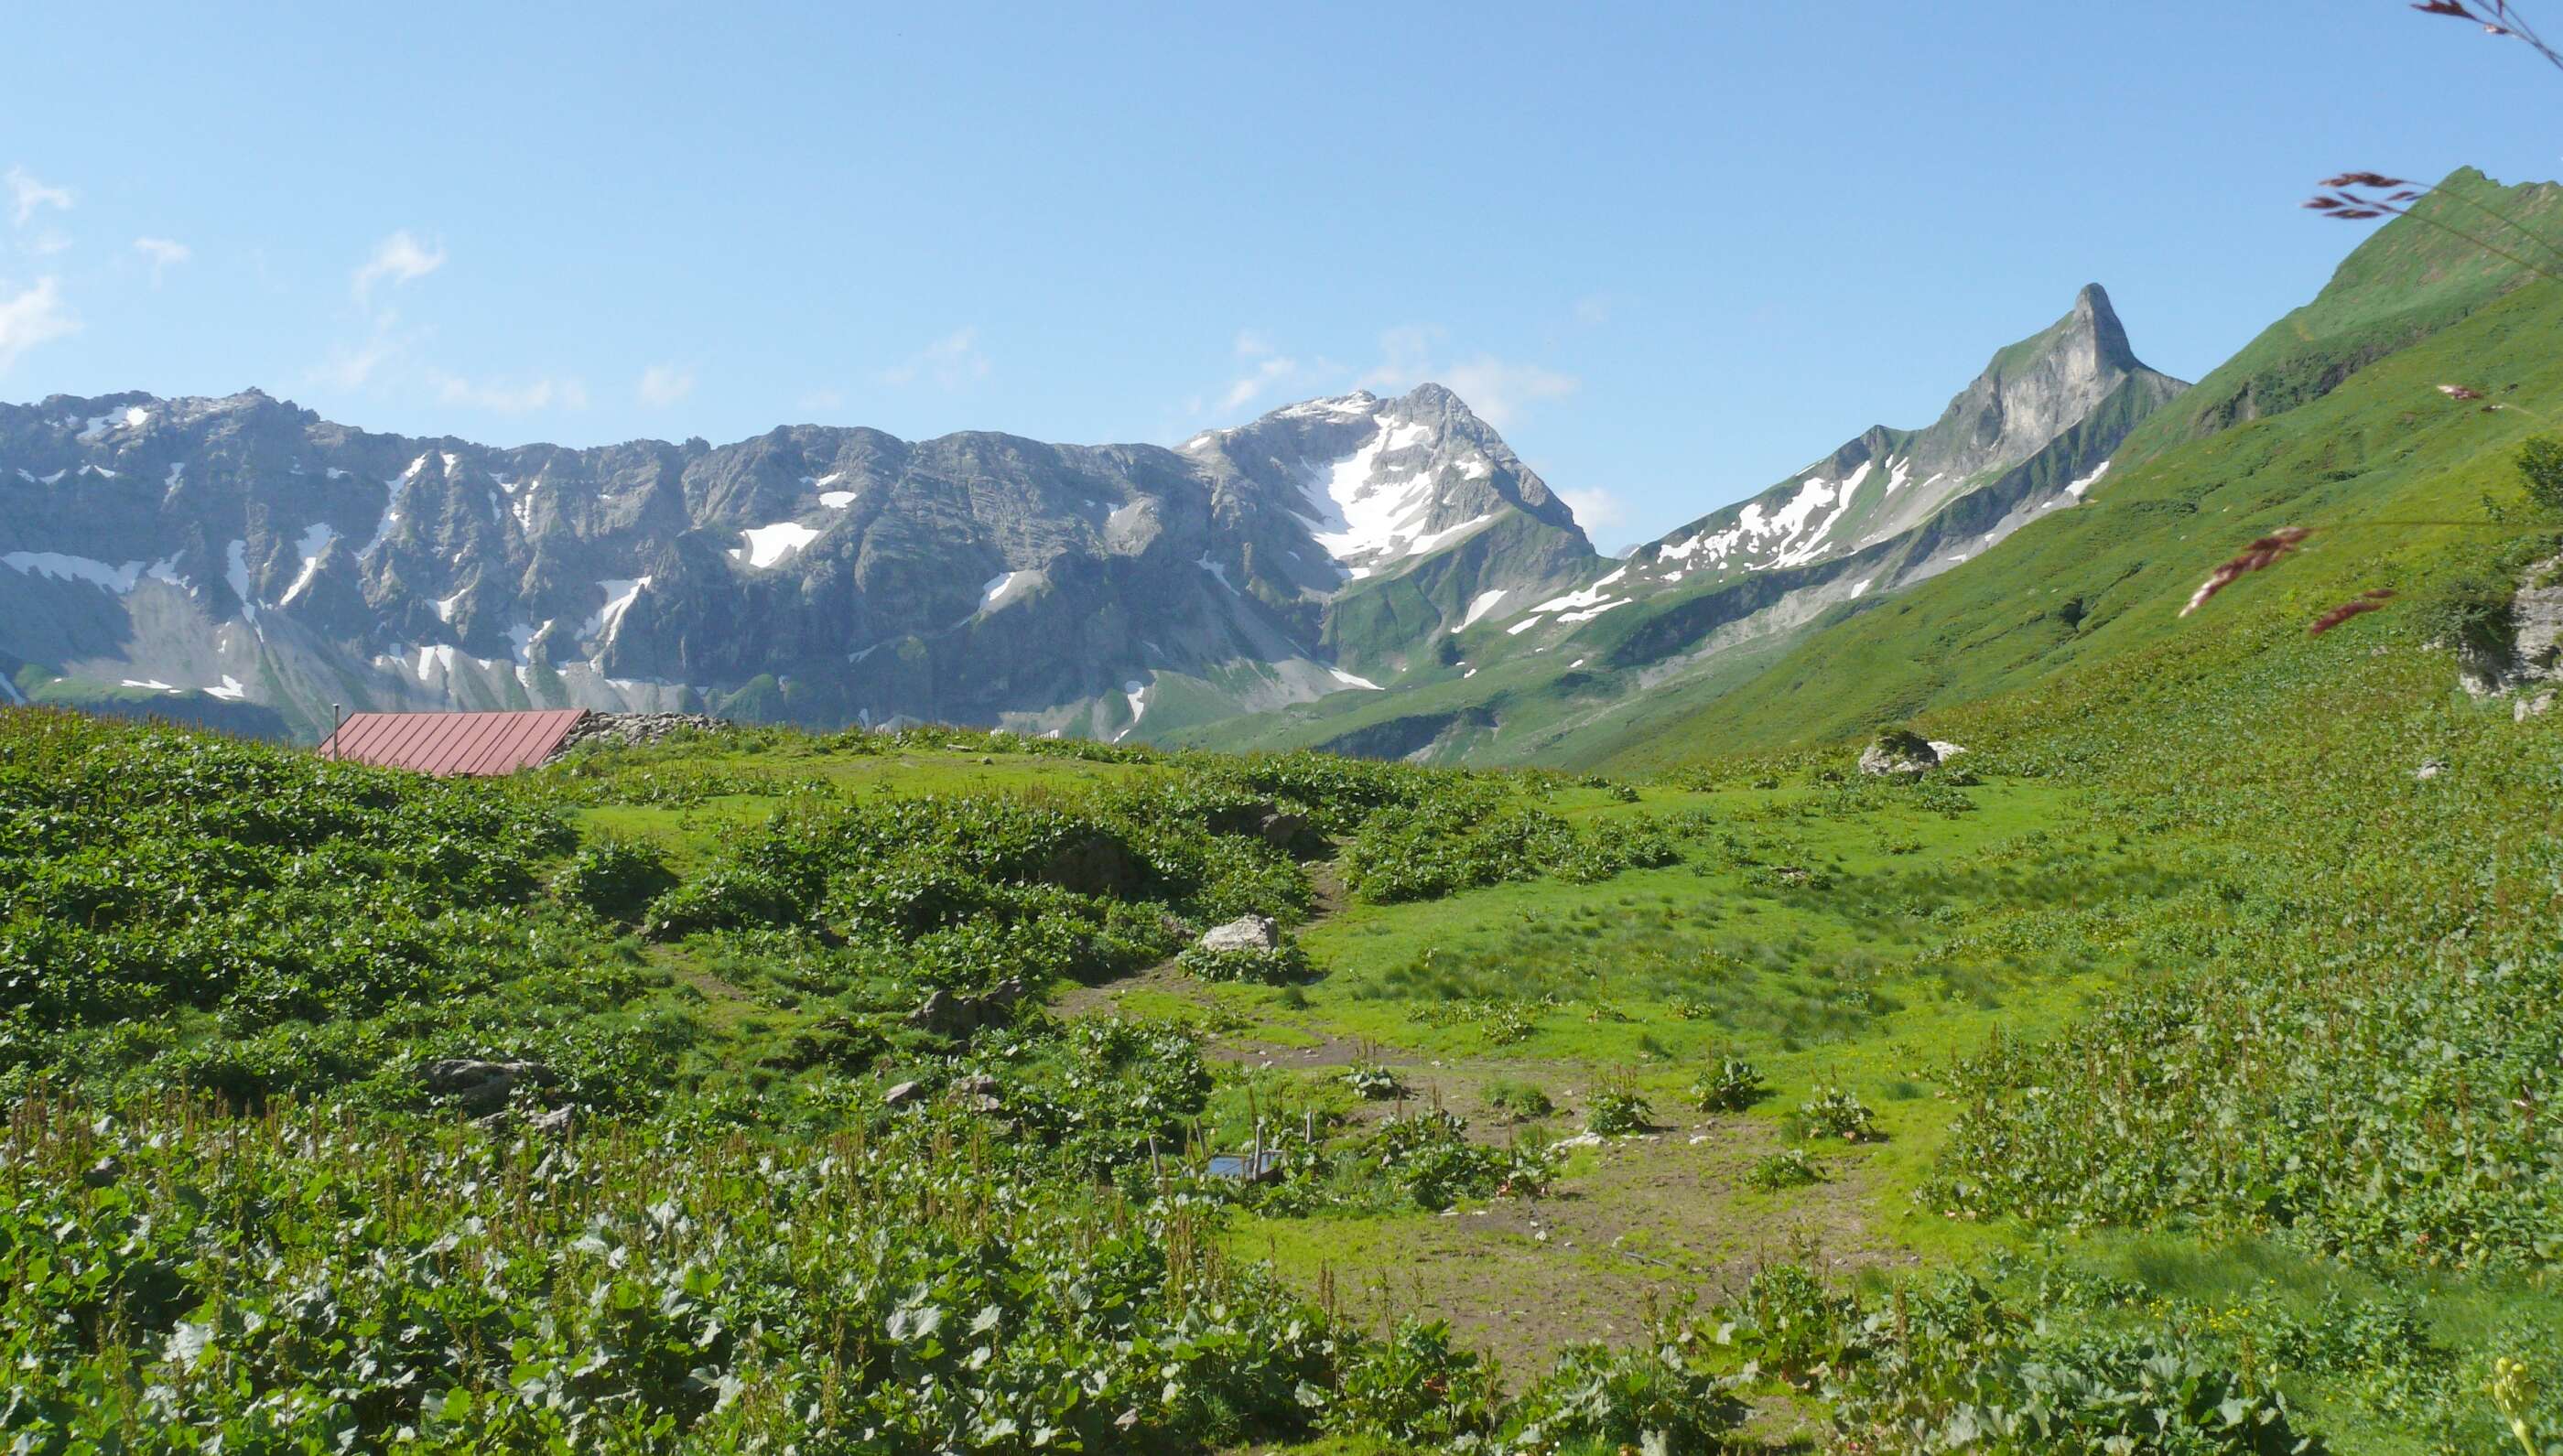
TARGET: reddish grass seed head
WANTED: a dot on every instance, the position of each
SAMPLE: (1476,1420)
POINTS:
(2345,610)
(2261,554)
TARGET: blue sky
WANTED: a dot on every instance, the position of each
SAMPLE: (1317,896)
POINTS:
(1674,252)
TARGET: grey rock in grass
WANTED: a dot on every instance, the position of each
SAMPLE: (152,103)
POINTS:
(1281,830)
(948,1014)
(1245,933)
(478,1086)
(942,1014)
(1899,753)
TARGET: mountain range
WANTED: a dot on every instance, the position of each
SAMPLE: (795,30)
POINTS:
(1381,576)
(195,554)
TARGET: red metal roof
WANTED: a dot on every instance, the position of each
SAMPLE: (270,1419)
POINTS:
(452,743)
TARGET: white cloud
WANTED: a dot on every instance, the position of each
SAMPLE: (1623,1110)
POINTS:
(50,242)
(1253,344)
(401,258)
(826,398)
(663,385)
(26,194)
(1593,309)
(353,367)
(163,254)
(397,260)
(1596,509)
(33,317)
(1405,355)
(513,399)
(950,362)
(1271,372)
(1500,391)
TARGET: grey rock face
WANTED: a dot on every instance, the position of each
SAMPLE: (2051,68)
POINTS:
(241,554)
(1246,932)
(2535,656)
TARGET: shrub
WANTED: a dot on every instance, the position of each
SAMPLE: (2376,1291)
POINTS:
(1518,1101)
(1375,1083)
(1903,743)
(1280,965)
(1835,1113)
(2540,470)
(1428,1158)
(1730,1086)
(614,879)
(1656,1397)
(1617,1110)
(2471,613)
(1415,1388)
(1509,1022)
(1789,1168)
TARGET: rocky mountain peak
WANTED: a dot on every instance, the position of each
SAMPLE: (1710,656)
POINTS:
(1379,484)
(2095,322)
(2058,398)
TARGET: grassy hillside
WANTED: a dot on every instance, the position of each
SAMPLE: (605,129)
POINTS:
(2415,277)
(2402,486)
(757,1194)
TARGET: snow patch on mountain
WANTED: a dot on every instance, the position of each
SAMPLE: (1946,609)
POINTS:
(619,597)
(774,544)
(59,567)
(315,545)
(1369,512)
(996,590)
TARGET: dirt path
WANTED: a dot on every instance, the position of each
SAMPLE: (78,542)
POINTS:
(1641,1224)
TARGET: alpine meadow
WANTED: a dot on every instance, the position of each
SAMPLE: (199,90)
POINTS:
(2040,932)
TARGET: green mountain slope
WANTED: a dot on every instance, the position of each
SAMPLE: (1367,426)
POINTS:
(2410,280)
(2331,420)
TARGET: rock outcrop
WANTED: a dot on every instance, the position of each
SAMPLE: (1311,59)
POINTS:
(482,1087)
(2531,669)
(1898,752)
(1245,933)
